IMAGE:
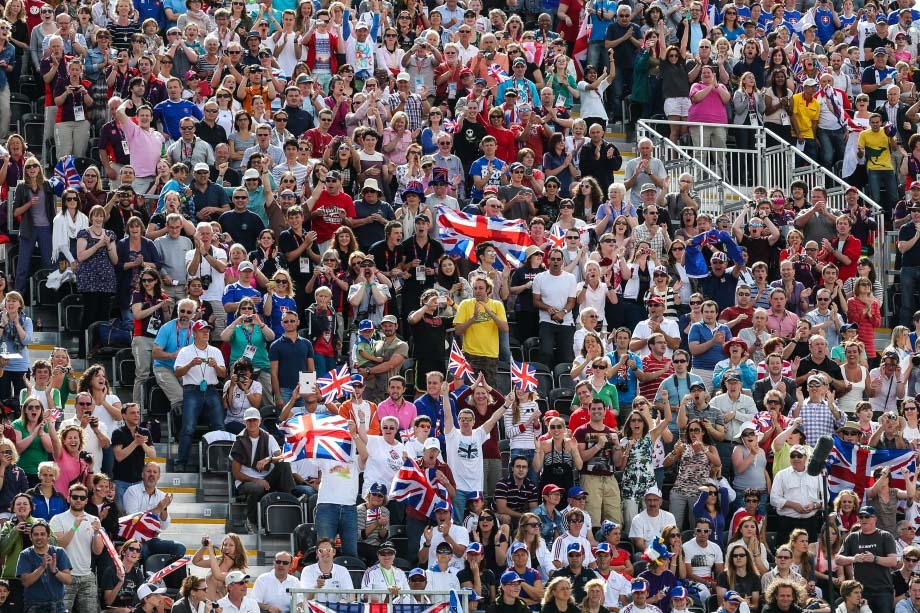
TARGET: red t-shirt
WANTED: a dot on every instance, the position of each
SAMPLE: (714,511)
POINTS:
(328,214)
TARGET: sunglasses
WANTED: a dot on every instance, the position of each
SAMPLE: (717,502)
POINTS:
(78,497)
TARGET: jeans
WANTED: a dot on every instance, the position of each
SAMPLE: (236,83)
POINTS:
(120,488)
(597,55)
(556,343)
(459,503)
(811,148)
(323,363)
(303,490)
(833,144)
(42,236)
(158,545)
(108,460)
(504,346)
(338,520)
(876,180)
(286,393)
(142,350)
(193,402)
(910,284)
(681,506)
(880,601)
(617,93)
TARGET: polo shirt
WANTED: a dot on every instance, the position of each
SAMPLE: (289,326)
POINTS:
(211,196)
(828,367)
(169,113)
(517,498)
(236,292)
(129,470)
(701,333)
(42,591)
(292,356)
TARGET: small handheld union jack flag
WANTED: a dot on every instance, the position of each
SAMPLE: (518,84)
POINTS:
(498,73)
(160,574)
(458,366)
(524,376)
(451,126)
(337,383)
(557,237)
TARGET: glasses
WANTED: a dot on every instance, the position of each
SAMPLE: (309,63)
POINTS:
(283,562)
(694,430)
(679,361)
(185,128)
(78,497)
(486,518)
(796,456)
(703,530)
(782,557)
(910,408)
(695,303)
(533,524)
(85,404)
(576,521)
(557,427)
(289,321)
(739,555)
(241,197)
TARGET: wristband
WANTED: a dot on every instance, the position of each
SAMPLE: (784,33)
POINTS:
(73,528)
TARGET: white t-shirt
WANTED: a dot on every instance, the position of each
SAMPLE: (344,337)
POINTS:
(260,474)
(383,461)
(649,528)
(464,456)
(340,580)
(339,484)
(439,581)
(554,291)
(200,372)
(215,290)
(592,102)
(104,417)
(459,534)
(668,326)
(238,402)
(79,550)
(702,559)
(617,585)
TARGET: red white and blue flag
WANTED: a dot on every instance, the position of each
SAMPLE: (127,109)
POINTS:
(580,48)
(314,606)
(373,515)
(524,376)
(336,384)
(557,236)
(168,570)
(850,467)
(458,365)
(417,488)
(461,232)
(65,175)
(498,73)
(450,125)
(317,438)
(109,547)
(140,526)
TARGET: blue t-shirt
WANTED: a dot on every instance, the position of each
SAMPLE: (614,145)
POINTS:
(151,9)
(478,167)
(280,306)
(236,292)
(824,20)
(894,16)
(701,333)
(629,379)
(169,114)
(292,359)
(431,408)
(599,25)
(47,588)
(176,6)
(171,339)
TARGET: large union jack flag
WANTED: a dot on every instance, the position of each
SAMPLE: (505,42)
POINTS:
(460,233)
(337,383)
(524,376)
(319,438)
(417,489)
(65,175)
(851,466)
(375,607)
(458,365)
(140,526)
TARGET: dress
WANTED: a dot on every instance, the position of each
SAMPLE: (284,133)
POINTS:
(639,474)
(558,468)
(97,274)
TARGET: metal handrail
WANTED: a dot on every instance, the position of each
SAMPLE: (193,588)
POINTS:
(774,163)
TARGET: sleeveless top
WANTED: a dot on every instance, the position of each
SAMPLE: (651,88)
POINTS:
(557,468)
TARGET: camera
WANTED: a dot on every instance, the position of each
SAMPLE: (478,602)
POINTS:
(248,319)
(915,359)
(154,324)
(326,575)
(242,379)
(205,282)
(214,605)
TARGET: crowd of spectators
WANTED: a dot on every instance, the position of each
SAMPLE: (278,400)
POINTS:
(263,198)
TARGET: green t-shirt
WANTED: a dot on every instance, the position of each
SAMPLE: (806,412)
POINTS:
(34,454)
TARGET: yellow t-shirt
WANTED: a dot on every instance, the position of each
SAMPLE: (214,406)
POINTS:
(878,154)
(806,115)
(481,338)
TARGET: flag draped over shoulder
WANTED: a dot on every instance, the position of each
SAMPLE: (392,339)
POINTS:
(322,438)
(460,233)
(850,467)
(65,175)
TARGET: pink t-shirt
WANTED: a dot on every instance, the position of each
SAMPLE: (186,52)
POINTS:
(710,110)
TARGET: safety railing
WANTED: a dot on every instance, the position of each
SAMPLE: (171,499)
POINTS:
(770,162)
(714,194)
(355,599)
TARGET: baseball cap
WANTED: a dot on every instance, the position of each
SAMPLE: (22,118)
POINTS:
(880,50)
(442,506)
(305,79)
(443,547)
(377,488)
(678,592)
(654,300)
(517,546)
(389,319)
(201,167)
(732,375)
(148,589)
(519,60)
(509,576)
(648,187)
(798,449)
(698,384)
(251,413)
(252,173)
(234,576)
(361,26)
(201,324)
(718,256)
(575,492)
(653,491)
(603,547)
(639,585)
(416,572)
(575,547)
(867,510)
(253,34)
(810,83)
(733,596)
(365,325)
(245,266)
(388,546)
(464,72)
(474,496)
(480,81)
(431,443)
(334,174)
(551,488)
(403,76)
(474,548)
